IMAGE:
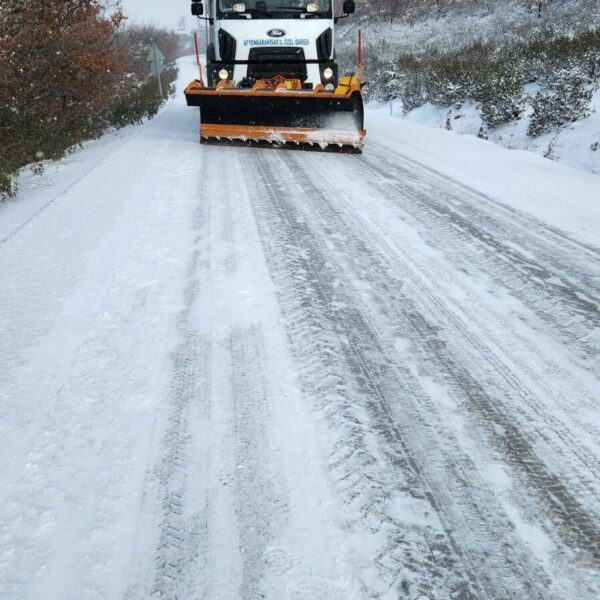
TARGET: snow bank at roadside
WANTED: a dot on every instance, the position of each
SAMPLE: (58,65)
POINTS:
(36,191)
(559,195)
(577,144)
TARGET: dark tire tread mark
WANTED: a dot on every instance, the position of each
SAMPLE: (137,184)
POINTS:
(260,508)
(308,286)
(572,311)
(178,551)
(576,527)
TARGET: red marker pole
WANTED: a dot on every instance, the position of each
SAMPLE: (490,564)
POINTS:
(360,56)
(200,79)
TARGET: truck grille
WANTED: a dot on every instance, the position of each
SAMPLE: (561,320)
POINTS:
(265,63)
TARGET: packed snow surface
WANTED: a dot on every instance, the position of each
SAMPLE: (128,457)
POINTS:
(241,373)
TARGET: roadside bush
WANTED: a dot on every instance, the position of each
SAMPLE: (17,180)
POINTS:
(68,71)
(446,79)
(136,40)
(59,70)
(568,67)
(7,184)
(143,102)
(500,96)
(569,102)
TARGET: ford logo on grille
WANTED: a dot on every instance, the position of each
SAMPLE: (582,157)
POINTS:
(276,33)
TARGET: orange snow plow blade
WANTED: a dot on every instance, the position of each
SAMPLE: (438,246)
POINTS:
(279,112)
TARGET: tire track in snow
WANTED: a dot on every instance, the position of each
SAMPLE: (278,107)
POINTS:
(178,557)
(480,518)
(348,374)
(455,236)
(273,532)
(577,528)
(417,171)
(550,273)
(260,509)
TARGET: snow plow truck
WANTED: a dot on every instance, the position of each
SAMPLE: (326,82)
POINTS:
(272,77)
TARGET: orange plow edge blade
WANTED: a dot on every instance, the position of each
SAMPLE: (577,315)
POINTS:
(320,138)
(279,112)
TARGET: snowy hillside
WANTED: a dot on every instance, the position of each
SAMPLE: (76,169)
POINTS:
(577,144)
(524,74)
(419,26)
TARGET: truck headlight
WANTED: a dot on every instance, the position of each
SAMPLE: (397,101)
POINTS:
(328,72)
(224,74)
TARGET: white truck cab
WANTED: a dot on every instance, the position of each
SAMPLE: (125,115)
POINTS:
(272,77)
(250,40)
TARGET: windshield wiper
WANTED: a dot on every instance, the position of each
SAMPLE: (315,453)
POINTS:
(294,9)
(297,9)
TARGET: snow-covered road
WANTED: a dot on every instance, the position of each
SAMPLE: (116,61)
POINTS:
(238,373)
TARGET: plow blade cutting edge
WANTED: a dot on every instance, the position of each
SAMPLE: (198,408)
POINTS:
(280,112)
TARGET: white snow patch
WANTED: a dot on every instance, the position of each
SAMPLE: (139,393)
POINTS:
(438,393)
(496,475)
(556,194)
(413,511)
(534,536)
(576,144)
(519,249)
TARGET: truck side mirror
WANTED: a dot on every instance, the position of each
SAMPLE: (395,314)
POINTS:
(197,9)
(349,7)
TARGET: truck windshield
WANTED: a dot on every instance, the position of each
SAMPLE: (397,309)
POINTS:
(276,9)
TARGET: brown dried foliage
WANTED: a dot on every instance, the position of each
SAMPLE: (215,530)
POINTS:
(60,69)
